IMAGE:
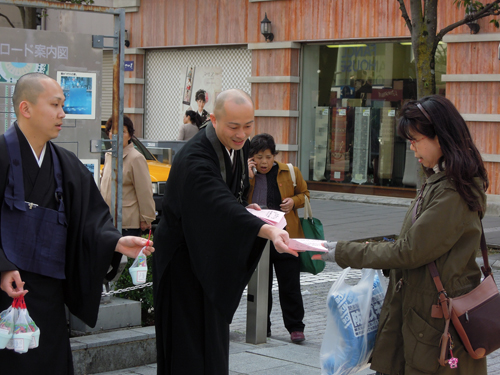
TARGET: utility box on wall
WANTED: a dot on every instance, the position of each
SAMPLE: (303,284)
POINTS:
(69,59)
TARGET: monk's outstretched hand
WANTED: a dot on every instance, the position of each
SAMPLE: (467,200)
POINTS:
(279,237)
(131,246)
(7,284)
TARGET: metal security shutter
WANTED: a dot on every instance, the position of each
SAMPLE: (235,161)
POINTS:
(107,85)
(162,91)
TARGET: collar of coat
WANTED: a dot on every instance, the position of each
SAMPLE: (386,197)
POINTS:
(436,177)
(128,148)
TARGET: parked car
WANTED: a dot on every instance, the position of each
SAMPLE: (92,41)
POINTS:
(158,171)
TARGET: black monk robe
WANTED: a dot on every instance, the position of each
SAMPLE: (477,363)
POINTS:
(206,251)
(91,240)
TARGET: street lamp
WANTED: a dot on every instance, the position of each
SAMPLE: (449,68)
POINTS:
(265,29)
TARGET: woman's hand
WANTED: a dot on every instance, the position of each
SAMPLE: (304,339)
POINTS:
(287,205)
(145,226)
(7,284)
(330,255)
(251,165)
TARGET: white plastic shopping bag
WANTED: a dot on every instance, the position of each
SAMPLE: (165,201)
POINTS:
(139,269)
(7,320)
(22,333)
(352,323)
(36,331)
(18,331)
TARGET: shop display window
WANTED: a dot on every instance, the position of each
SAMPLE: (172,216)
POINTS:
(351,96)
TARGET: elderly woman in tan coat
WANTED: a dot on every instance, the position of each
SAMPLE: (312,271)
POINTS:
(272,187)
(138,207)
(443,225)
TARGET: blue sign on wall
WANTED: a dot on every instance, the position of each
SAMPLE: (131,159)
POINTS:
(129,66)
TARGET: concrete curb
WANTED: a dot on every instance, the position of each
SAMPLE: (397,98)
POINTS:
(493,208)
(113,350)
(359,198)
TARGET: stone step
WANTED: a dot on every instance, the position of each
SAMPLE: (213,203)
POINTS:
(114,350)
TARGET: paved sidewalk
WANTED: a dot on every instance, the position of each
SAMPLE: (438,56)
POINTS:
(341,221)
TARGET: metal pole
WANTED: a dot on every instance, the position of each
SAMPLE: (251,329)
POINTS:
(257,301)
(117,129)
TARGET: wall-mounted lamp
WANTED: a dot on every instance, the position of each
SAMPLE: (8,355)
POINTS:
(127,40)
(473,25)
(265,29)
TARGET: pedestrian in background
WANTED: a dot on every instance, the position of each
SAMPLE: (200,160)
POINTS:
(138,206)
(189,127)
(272,186)
(443,225)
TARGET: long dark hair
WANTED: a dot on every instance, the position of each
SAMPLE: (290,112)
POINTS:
(435,116)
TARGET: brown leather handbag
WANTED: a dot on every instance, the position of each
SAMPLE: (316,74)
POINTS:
(474,315)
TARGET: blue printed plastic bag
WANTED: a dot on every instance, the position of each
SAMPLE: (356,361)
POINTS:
(352,323)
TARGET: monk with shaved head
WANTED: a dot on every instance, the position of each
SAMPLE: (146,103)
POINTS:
(57,238)
(208,244)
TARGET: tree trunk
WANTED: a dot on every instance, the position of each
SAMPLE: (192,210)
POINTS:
(424,42)
(28,16)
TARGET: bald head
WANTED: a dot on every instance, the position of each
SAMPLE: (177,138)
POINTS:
(234,95)
(28,88)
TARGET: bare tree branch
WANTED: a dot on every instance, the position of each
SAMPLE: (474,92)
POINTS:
(7,18)
(404,14)
(487,11)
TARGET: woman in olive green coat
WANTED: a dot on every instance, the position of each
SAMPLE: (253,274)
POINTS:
(447,230)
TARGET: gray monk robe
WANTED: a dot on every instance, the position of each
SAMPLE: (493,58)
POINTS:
(91,240)
(206,251)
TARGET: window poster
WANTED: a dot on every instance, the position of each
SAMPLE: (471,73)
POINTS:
(80,91)
(93,167)
(207,80)
(10,72)
(188,85)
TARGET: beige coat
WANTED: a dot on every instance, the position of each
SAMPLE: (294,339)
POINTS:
(446,232)
(138,203)
(285,185)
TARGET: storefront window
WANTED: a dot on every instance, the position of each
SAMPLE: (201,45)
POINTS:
(350,102)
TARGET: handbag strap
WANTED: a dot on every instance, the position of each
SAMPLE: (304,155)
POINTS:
(292,173)
(486,269)
(308,214)
(445,338)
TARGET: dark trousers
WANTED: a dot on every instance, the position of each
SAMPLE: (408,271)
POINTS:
(287,268)
(192,337)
